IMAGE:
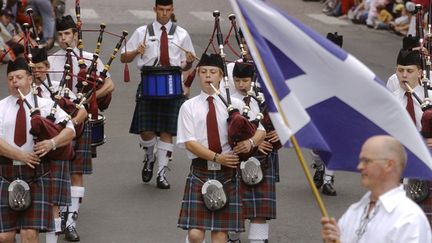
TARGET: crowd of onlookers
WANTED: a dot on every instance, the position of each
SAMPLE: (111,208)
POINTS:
(398,16)
(13,14)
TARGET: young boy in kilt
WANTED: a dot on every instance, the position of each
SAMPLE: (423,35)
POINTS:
(59,169)
(259,201)
(81,165)
(203,132)
(21,157)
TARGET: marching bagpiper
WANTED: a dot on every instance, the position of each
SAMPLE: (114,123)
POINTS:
(82,163)
(212,199)
(28,208)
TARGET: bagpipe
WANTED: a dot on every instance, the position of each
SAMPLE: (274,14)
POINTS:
(418,190)
(88,80)
(239,126)
(43,128)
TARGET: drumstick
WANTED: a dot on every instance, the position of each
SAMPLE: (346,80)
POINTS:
(181,48)
(145,37)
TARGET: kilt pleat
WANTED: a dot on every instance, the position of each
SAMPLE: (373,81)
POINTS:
(39,215)
(82,163)
(195,215)
(158,115)
(60,182)
(259,201)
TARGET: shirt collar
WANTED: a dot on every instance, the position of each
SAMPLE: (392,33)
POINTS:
(158,25)
(391,198)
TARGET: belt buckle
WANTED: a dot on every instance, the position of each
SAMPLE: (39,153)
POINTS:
(16,162)
(213,165)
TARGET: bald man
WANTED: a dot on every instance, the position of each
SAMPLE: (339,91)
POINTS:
(384,213)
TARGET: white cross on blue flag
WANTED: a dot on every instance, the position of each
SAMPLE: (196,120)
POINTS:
(322,94)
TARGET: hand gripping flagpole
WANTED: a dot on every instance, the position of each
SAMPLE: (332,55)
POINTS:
(292,138)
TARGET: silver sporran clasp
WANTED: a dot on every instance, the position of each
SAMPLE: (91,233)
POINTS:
(214,195)
(19,195)
(417,190)
(251,171)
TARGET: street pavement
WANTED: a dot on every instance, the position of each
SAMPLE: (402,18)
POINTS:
(119,208)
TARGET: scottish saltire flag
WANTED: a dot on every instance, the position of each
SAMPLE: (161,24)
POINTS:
(345,100)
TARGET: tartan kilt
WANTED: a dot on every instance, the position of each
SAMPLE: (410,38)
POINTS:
(60,182)
(195,215)
(157,115)
(426,204)
(259,201)
(39,215)
(82,163)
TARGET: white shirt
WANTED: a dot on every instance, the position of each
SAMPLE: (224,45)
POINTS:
(400,96)
(8,112)
(177,57)
(58,60)
(395,218)
(192,123)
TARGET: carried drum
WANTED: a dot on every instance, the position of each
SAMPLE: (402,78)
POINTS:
(98,133)
(161,82)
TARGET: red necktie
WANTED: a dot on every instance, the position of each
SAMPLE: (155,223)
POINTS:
(20,135)
(69,82)
(410,106)
(39,91)
(212,128)
(164,55)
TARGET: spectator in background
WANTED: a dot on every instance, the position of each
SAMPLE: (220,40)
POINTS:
(45,10)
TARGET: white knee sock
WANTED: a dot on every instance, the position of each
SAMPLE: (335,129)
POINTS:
(328,176)
(162,152)
(258,233)
(148,146)
(57,223)
(76,193)
(51,237)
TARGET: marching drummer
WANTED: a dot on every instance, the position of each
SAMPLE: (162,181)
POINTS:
(60,171)
(82,164)
(203,132)
(259,200)
(162,50)
(23,159)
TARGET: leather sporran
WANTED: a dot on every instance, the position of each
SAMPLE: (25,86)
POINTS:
(417,190)
(251,171)
(19,195)
(214,195)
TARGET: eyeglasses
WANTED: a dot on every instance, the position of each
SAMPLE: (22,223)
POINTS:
(368,160)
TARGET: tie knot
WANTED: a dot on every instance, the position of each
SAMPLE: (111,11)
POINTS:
(163,28)
(20,102)
(408,94)
(210,99)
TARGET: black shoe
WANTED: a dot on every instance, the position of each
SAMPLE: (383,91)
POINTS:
(71,234)
(161,180)
(147,170)
(328,189)
(318,177)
